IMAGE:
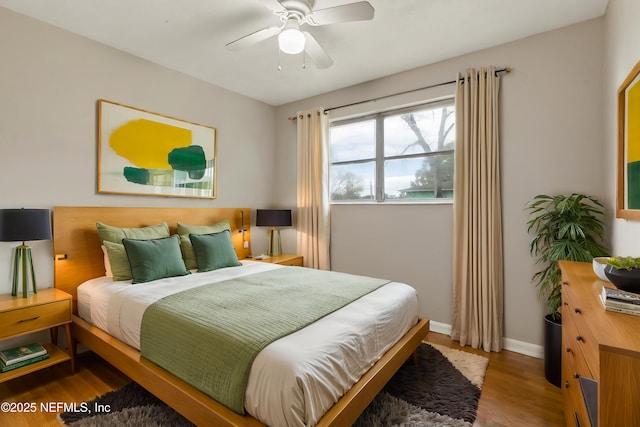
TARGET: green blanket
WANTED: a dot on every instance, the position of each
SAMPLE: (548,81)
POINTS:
(209,336)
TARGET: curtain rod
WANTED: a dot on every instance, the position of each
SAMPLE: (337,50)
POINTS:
(501,70)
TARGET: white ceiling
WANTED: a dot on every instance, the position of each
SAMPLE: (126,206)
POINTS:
(190,36)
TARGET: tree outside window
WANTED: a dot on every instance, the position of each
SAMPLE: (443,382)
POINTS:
(401,155)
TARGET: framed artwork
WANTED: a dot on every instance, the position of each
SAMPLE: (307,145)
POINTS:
(628,185)
(144,153)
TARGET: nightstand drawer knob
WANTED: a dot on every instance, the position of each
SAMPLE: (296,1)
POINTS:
(29,319)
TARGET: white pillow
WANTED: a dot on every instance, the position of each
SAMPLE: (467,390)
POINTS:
(107,265)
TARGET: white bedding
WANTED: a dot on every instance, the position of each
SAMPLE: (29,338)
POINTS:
(296,379)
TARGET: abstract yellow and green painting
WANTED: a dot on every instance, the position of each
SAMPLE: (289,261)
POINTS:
(633,145)
(146,153)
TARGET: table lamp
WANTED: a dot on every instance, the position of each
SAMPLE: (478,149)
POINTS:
(20,225)
(273,218)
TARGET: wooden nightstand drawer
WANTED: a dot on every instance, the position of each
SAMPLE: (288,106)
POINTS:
(297,261)
(284,259)
(33,318)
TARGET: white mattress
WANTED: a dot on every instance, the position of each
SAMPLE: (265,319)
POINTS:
(296,379)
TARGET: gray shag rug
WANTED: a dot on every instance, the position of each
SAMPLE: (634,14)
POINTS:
(441,391)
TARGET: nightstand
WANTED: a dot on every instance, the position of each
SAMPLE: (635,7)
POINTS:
(284,259)
(48,309)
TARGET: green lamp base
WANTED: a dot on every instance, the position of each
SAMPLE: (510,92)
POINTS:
(23,269)
(275,244)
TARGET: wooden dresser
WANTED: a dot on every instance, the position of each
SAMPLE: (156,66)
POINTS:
(601,354)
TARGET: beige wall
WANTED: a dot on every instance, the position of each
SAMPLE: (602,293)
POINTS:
(622,52)
(551,138)
(50,81)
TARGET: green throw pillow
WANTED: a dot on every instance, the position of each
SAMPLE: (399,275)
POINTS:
(154,258)
(184,230)
(116,234)
(118,261)
(214,251)
(111,238)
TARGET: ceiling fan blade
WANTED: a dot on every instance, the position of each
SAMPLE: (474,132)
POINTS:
(253,38)
(316,52)
(273,5)
(360,11)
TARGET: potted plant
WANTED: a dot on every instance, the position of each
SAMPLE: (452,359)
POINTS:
(565,227)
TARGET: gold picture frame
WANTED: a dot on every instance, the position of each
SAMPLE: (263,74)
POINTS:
(628,179)
(144,153)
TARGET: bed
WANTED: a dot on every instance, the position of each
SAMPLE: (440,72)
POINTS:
(79,259)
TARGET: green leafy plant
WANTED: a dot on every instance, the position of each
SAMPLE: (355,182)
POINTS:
(624,262)
(565,228)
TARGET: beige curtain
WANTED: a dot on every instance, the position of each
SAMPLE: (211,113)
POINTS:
(313,188)
(477,258)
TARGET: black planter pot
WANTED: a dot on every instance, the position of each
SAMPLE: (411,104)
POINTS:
(627,280)
(552,351)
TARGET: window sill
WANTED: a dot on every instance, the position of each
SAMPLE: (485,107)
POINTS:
(394,202)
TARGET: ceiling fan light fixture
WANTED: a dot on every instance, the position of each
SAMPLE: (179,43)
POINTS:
(291,40)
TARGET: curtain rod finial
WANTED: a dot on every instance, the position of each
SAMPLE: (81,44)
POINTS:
(507,69)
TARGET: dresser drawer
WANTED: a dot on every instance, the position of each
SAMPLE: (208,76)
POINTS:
(574,407)
(573,348)
(33,318)
(579,335)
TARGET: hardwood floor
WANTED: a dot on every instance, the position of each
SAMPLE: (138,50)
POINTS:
(55,386)
(514,393)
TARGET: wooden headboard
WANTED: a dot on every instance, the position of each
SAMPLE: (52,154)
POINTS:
(75,237)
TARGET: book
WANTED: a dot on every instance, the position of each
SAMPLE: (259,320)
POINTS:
(622,310)
(16,365)
(22,352)
(622,296)
(618,306)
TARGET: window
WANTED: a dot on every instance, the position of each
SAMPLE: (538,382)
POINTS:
(399,155)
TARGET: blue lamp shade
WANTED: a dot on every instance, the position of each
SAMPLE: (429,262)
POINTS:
(21,225)
(273,217)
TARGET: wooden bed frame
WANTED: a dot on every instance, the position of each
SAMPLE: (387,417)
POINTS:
(79,258)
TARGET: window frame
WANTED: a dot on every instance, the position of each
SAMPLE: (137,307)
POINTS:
(379,158)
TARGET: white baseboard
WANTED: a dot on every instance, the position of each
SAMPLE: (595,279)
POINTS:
(441,328)
(528,349)
(516,346)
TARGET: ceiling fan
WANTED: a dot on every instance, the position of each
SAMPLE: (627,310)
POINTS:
(296,13)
